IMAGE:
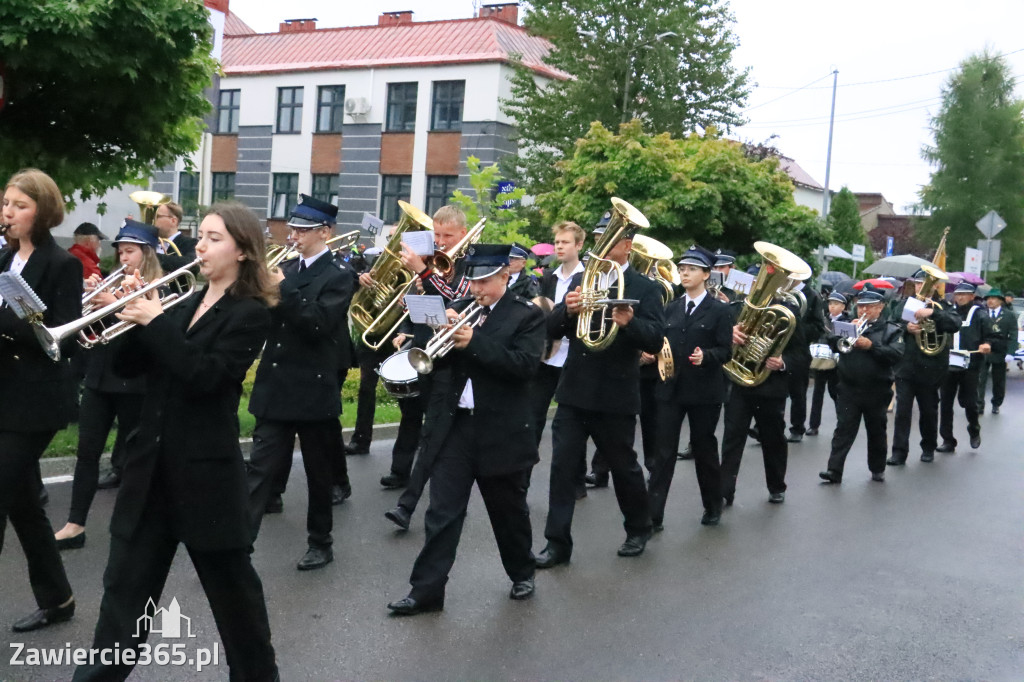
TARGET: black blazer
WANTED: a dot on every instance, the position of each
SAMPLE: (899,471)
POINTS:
(709,327)
(501,358)
(172,261)
(526,286)
(37,393)
(300,373)
(608,381)
(185,451)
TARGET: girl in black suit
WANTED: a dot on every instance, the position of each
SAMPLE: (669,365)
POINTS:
(36,394)
(184,478)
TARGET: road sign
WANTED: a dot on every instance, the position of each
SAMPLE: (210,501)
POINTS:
(972,261)
(858,252)
(888,246)
(991,225)
(990,252)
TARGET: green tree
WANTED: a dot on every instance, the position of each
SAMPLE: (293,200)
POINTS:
(503,225)
(978,159)
(847,229)
(101,92)
(676,84)
(699,189)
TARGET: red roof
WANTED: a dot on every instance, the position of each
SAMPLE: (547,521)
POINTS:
(233,26)
(797,174)
(458,41)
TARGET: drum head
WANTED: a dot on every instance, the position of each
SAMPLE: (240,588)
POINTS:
(397,368)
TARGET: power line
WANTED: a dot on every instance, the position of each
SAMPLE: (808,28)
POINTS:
(793,92)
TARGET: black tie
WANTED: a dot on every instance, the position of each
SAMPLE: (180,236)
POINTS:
(992,312)
(484,312)
(302,265)
(690,305)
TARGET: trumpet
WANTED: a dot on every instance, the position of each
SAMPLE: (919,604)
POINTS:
(3,229)
(845,345)
(443,262)
(441,343)
(91,329)
(108,283)
(277,254)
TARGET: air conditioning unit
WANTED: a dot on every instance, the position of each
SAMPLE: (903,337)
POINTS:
(357,106)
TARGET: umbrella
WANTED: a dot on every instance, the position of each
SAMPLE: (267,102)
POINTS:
(845,286)
(833,277)
(876,282)
(957,277)
(542,249)
(896,266)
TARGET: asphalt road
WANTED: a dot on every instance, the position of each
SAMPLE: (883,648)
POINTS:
(919,578)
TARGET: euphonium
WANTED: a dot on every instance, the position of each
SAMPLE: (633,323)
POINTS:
(930,340)
(377,311)
(597,275)
(768,326)
(652,258)
(443,262)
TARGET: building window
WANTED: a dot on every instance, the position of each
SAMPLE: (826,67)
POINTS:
(188,193)
(325,188)
(439,190)
(289,110)
(223,186)
(330,113)
(227,111)
(286,194)
(401,106)
(447,108)
(393,188)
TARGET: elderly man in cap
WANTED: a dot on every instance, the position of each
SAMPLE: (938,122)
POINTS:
(865,386)
(918,377)
(298,384)
(1004,330)
(483,432)
(87,248)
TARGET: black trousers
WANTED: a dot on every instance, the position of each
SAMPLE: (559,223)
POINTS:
(648,430)
(823,378)
(613,435)
(542,391)
(998,371)
(451,484)
(95,418)
(961,386)
(19,502)
(369,360)
(339,466)
(272,445)
(137,570)
(703,420)
(407,441)
(799,378)
(855,404)
(769,414)
(927,396)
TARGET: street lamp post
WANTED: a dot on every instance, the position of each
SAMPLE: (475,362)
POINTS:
(629,63)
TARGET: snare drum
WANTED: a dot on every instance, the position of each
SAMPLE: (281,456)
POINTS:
(822,357)
(399,377)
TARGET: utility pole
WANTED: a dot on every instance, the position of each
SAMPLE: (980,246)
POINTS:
(828,154)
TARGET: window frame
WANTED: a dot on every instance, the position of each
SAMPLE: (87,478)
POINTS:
(232,109)
(391,190)
(289,193)
(331,196)
(293,108)
(451,183)
(219,193)
(399,102)
(437,105)
(189,202)
(336,107)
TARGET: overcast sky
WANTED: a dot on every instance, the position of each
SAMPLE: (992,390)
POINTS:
(893,57)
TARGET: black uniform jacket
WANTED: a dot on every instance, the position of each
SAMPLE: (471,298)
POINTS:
(100,374)
(871,368)
(187,442)
(809,327)
(978,331)
(776,386)
(1004,331)
(608,380)
(37,393)
(526,286)
(172,261)
(927,369)
(500,359)
(300,373)
(709,328)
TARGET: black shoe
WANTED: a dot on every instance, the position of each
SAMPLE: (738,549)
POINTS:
(581,492)
(394,481)
(45,617)
(275,505)
(111,479)
(711,517)
(811,432)
(754,433)
(551,557)
(975,442)
(878,476)
(794,437)
(339,494)
(830,476)
(596,481)
(353,449)
(634,545)
(777,498)
(927,456)
(981,410)
(727,499)
(657,527)
(522,589)
(946,446)
(410,607)
(895,461)
(316,557)
(685,453)
(995,409)
(73,542)
(400,516)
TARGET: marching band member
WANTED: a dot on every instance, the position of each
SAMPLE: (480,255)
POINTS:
(699,331)
(486,434)
(36,394)
(521,282)
(298,383)
(865,387)
(184,476)
(918,376)
(809,328)
(827,378)
(167,220)
(1004,329)
(598,397)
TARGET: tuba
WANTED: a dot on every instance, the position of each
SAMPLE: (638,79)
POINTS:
(377,311)
(597,277)
(652,258)
(930,341)
(768,326)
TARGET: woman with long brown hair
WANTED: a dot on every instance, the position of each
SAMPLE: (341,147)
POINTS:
(183,480)
(36,393)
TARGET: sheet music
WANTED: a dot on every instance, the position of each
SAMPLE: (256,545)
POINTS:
(716,280)
(845,330)
(421,243)
(18,295)
(910,307)
(428,310)
(739,281)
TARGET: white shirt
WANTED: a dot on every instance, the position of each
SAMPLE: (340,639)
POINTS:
(561,289)
(513,277)
(312,259)
(696,301)
(466,399)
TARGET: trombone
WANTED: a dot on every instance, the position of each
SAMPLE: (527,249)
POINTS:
(277,254)
(443,262)
(109,282)
(441,343)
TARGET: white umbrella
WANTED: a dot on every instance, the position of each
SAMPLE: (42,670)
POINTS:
(896,266)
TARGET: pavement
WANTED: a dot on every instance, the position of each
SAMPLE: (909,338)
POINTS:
(917,578)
